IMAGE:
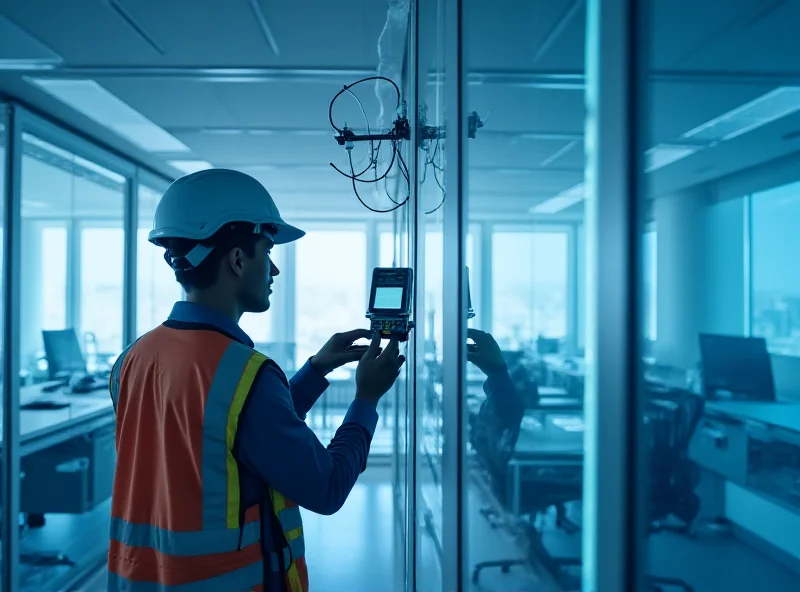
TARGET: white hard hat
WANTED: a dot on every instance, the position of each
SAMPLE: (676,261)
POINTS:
(196,206)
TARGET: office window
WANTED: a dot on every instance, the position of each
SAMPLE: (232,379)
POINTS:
(156,287)
(72,252)
(775,289)
(54,276)
(386,249)
(529,287)
(102,251)
(330,287)
(650,295)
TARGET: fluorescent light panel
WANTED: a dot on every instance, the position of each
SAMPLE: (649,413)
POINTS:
(664,154)
(765,109)
(562,201)
(190,166)
(94,101)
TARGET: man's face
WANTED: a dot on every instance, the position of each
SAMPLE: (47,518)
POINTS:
(257,278)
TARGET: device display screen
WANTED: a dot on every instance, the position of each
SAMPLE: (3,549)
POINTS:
(388,298)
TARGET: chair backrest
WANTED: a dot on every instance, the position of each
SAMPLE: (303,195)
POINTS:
(672,473)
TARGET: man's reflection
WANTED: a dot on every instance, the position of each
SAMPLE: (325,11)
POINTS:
(496,425)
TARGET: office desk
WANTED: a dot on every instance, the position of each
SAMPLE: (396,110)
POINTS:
(41,429)
(542,445)
(773,414)
(747,449)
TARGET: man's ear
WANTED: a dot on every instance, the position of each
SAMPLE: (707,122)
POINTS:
(235,257)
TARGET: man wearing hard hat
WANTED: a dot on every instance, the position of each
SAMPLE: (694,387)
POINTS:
(214,455)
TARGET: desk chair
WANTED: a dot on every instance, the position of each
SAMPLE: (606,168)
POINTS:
(674,477)
(493,434)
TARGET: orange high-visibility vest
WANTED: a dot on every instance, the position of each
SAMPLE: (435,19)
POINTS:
(176,517)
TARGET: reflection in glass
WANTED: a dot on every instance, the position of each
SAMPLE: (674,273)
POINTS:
(775,306)
(530,288)
(430,178)
(722,415)
(525,371)
(3,198)
(72,262)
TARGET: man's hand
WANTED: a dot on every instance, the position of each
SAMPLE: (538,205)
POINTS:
(339,351)
(485,353)
(378,370)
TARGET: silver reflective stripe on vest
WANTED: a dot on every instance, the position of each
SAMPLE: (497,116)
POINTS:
(290,519)
(240,580)
(215,427)
(204,542)
(298,549)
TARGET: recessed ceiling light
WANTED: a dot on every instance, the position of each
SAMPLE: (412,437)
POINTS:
(95,102)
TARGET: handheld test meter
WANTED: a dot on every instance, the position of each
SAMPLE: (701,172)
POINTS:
(470,310)
(390,301)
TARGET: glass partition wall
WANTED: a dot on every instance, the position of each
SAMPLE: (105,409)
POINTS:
(7,454)
(70,260)
(720,205)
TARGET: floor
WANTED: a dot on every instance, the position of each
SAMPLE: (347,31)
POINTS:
(351,550)
(355,550)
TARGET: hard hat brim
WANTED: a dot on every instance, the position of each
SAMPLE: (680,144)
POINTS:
(286,233)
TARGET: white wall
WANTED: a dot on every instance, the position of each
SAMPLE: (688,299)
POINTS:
(701,272)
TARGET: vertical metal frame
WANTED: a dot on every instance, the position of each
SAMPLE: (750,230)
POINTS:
(614,486)
(11,328)
(130,268)
(455,575)
(412,219)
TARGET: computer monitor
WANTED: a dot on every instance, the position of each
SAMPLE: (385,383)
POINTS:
(736,368)
(64,355)
(547,346)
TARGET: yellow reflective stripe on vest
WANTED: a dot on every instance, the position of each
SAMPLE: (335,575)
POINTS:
(288,518)
(294,579)
(240,396)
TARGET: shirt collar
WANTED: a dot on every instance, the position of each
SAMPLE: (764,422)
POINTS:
(192,312)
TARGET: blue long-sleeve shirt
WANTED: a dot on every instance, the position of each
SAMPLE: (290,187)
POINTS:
(276,447)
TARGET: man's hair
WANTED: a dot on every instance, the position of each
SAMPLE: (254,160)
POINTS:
(232,236)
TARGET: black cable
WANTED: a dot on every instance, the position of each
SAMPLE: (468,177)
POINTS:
(352,176)
(371,209)
(374,152)
(436,169)
(347,88)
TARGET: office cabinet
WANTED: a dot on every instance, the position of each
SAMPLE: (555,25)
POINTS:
(70,478)
(721,446)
